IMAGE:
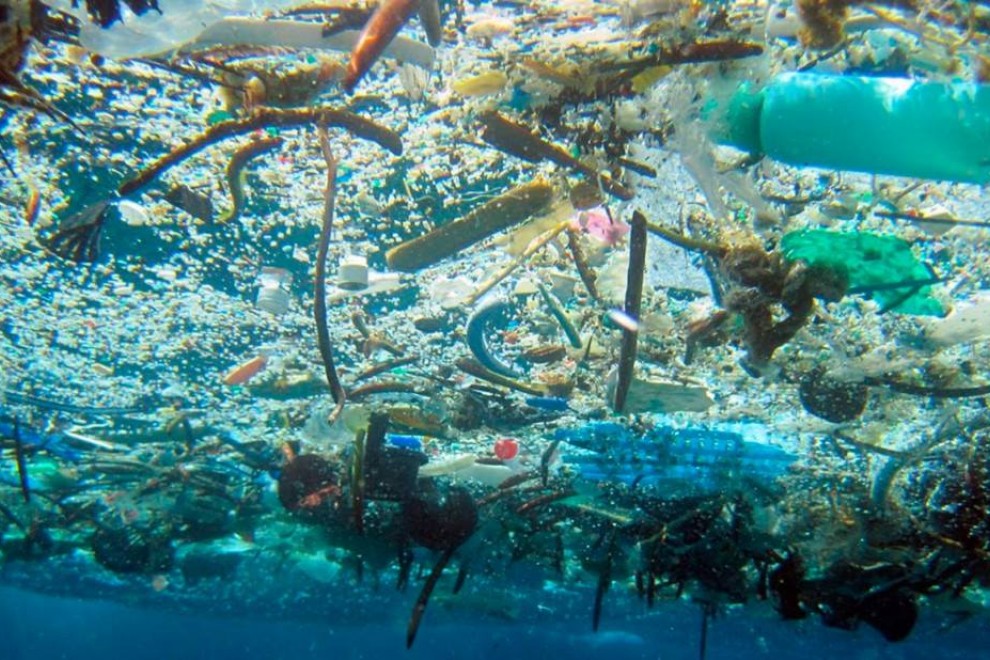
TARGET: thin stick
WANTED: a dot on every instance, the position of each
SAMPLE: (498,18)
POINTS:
(493,216)
(22,472)
(357,479)
(48,404)
(424,596)
(517,140)
(320,292)
(8,164)
(688,53)
(934,392)
(475,369)
(533,248)
(918,219)
(686,242)
(388,365)
(387,387)
(888,286)
(706,610)
(634,299)
(588,277)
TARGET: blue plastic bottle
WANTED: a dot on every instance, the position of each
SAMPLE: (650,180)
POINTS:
(892,126)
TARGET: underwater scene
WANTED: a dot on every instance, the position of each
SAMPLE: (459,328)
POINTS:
(453,329)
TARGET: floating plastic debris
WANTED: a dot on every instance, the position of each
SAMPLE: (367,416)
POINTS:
(969,321)
(506,449)
(679,461)
(874,124)
(623,320)
(132,213)
(880,266)
(274,290)
(353,273)
(394,354)
(483,84)
(245,371)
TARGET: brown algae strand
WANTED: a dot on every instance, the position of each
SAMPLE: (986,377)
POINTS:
(235,173)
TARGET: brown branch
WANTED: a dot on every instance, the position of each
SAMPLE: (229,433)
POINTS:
(263,118)
(472,367)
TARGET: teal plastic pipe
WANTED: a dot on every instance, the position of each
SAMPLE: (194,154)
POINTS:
(890,126)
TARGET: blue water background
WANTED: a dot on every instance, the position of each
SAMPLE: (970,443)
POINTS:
(39,627)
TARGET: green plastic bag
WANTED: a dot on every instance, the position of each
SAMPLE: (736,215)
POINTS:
(875,266)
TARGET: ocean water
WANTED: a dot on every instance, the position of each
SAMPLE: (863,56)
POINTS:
(599,329)
(37,626)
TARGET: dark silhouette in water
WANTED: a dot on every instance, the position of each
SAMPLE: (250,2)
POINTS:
(439,522)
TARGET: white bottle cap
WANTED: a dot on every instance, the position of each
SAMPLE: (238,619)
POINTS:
(273,300)
(273,291)
(353,274)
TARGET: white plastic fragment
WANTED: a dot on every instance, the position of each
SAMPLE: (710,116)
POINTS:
(447,466)
(969,321)
(195,25)
(485,474)
(133,213)
(296,34)
(623,320)
(153,33)
(353,272)
(783,21)
(273,290)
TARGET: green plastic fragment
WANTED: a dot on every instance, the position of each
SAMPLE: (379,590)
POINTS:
(218,116)
(875,264)
(272,131)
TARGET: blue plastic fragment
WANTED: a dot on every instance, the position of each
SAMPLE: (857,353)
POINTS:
(413,442)
(496,312)
(679,461)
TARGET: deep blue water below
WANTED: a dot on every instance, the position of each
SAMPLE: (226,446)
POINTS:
(38,627)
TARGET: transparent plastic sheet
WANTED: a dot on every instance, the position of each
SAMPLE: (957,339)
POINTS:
(154,33)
